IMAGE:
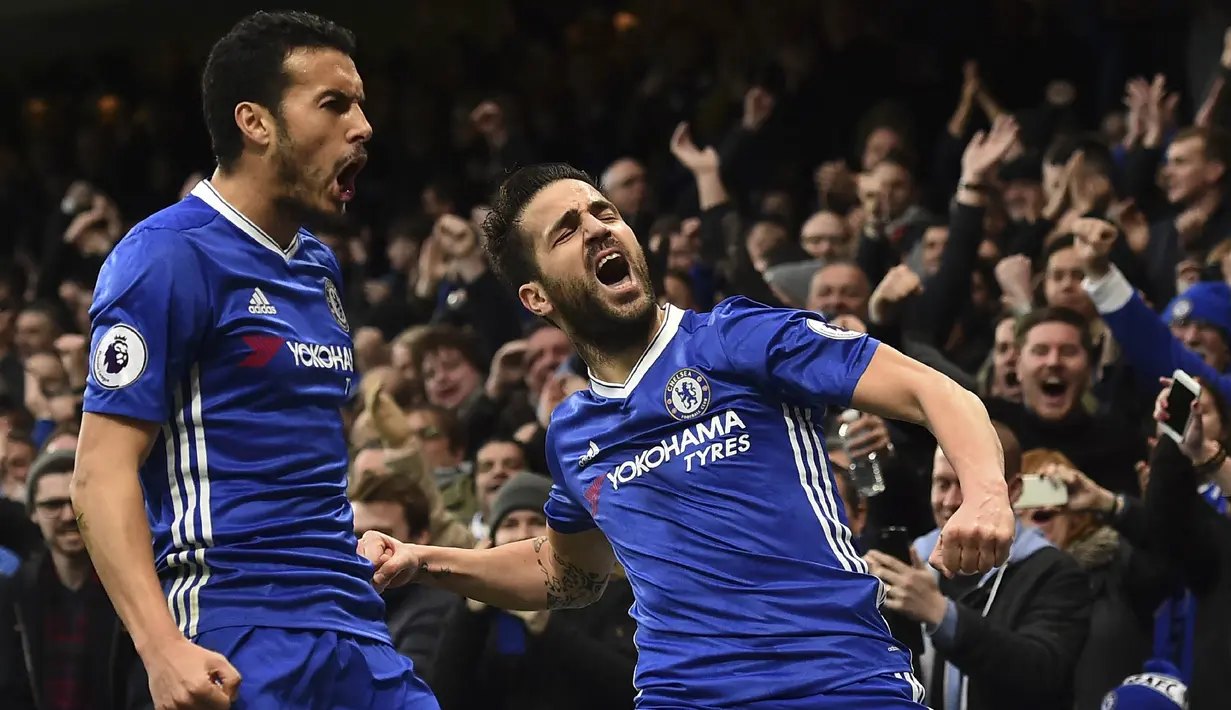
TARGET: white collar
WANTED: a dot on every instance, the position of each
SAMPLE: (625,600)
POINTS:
(666,331)
(207,194)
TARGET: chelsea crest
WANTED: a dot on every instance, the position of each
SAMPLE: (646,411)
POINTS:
(687,394)
(335,304)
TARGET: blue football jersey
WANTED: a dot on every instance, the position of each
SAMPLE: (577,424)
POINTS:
(241,351)
(707,471)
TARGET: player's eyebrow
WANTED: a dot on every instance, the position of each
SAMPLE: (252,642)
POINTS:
(340,95)
(573,216)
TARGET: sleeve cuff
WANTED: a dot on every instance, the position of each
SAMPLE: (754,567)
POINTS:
(1109,293)
(944,632)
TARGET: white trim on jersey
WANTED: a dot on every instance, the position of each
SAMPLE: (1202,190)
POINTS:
(832,496)
(917,691)
(207,194)
(666,331)
(818,485)
(190,496)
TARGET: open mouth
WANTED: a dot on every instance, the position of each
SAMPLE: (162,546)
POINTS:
(1010,379)
(1054,387)
(611,268)
(346,177)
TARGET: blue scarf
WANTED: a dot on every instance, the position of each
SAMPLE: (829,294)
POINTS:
(1176,617)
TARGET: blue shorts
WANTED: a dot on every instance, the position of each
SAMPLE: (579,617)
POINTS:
(888,691)
(317,670)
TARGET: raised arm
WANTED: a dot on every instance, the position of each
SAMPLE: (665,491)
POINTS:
(977,538)
(555,571)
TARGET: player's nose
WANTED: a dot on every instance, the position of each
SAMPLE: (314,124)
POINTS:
(361,131)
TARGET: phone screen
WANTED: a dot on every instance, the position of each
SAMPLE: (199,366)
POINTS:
(895,542)
(1179,407)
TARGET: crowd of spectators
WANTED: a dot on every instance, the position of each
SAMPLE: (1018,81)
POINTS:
(1057,250)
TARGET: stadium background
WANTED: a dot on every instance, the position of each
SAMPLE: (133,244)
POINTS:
(100,107)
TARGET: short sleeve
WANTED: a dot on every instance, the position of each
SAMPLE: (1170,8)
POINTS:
(564,513)
(794,353)
(149,313)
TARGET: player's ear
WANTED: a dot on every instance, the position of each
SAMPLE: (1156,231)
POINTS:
(534,298)
(256,123)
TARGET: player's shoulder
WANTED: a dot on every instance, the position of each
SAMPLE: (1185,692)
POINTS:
(734,316)
(569,414)
(575,421)
(166,240)
(313,249)
(191,217)
(182,231)
(727,316)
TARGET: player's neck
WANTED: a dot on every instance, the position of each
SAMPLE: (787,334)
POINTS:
(247,194)
(613,366)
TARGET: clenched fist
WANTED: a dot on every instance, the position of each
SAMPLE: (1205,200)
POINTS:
(1094,239)
(184,676)
(899,283)
(394,563)
(978,536)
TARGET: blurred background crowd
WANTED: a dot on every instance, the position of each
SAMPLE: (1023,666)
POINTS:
(1028,195)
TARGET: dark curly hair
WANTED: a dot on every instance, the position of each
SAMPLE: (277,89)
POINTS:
(508,248)
(247,65)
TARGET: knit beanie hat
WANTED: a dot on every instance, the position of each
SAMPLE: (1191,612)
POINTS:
(1158,688)
(1205,302)
(525,491)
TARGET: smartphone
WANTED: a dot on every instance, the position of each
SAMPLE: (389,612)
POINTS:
(895,542)
(1041,492)
(1179,405)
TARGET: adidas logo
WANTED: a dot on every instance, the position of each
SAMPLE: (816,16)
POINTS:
(588,456)
(259,305)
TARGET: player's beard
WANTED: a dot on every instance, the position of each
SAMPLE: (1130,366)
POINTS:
(300,188)
(595,325)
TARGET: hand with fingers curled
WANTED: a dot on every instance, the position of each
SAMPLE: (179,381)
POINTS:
(977,538)
(394,562)
(910,589)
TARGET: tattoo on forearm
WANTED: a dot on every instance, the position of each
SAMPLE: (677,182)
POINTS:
(437,572)
(568,585)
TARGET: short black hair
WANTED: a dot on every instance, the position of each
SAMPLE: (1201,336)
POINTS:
(507,246)
(1096,156)
(247,65)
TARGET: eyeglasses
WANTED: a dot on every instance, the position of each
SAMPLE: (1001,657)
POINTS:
(53,506)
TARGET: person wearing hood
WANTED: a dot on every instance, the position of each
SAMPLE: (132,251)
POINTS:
(1007,639)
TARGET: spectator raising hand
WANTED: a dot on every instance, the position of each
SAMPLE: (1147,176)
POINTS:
(507,370)
(986,150)
(1158,112)
(1015,274)
(900,283)
(1094,240)
(758,105)
(685,150)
